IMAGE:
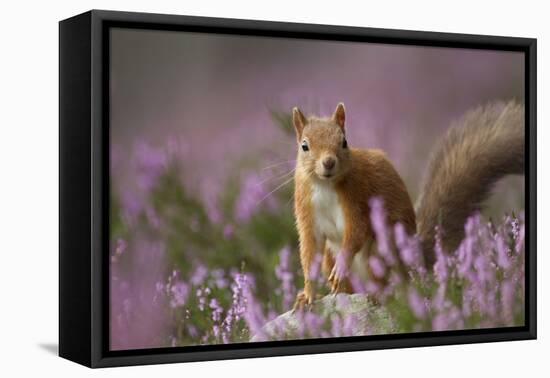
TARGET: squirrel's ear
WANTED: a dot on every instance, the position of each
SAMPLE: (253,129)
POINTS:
(339,116)
(299,121)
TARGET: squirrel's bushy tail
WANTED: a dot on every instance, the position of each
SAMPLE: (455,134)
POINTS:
(482,147)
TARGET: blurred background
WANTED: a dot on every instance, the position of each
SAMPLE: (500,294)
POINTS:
(202,154)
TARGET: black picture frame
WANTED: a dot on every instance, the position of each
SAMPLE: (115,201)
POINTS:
(84,187)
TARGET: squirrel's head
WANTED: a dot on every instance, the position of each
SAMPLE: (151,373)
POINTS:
(323,151)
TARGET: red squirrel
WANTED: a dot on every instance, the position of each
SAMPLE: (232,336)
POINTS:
(334,183)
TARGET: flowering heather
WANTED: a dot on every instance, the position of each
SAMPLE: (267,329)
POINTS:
(479,285)
(216,261)
(254,196)
(151,163)
(379,226)
(285,274)
(204,248)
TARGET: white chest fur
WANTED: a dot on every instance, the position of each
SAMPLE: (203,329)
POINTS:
(330,223)
(328,214)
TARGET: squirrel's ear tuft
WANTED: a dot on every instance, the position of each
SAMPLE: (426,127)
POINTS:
(299,122)
(339,116)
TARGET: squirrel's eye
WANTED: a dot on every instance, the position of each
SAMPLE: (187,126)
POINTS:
(345,143)
(305,147)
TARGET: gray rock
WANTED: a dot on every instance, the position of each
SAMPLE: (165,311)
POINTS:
(331,316)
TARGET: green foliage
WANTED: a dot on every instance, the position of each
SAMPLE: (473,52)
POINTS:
(283,120)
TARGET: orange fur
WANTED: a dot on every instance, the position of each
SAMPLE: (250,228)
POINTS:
(308,244)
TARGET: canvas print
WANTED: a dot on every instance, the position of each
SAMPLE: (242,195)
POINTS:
(270,189)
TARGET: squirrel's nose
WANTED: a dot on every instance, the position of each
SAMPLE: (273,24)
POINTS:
(329,162)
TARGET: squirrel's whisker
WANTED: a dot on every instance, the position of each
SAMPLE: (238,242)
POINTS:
(276,178)
(290,200)
(277,164)
(274,190)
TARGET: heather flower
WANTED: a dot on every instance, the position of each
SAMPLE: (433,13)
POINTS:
(515,228)
(372,288)
(502,250)
(439,301)
(132,206)
(135,297)
(409,248)
(483,268)
(491,306)
(192,331)
(199,275)
(440,267)
(253,316)
(253,196)
(520,239)
(216,330)
(151,163)
(448,320)
(180,292)
(507,294)
(310,324)
(358,284)
(379,225)
(377,266)
(465,255)
(220,281)
(314,323)
(241,294)
(152,217)
(315,268)
(202,296)
(342,264)
(337,326)
(216,309)
(213,211)
(284,274)
(467,301)
(350,325)
(160,287)
(417,304)
(120,248)
(473,224)
(228,231)
(342,301)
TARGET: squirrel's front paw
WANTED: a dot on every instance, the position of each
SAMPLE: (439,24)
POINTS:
(335,282)
(338,278)
(304,300)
